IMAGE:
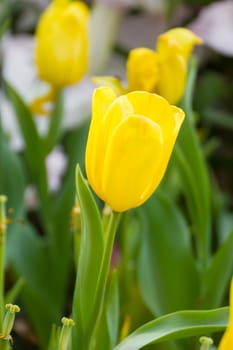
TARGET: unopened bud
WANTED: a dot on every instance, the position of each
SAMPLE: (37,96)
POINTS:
(65,335)
(9,318)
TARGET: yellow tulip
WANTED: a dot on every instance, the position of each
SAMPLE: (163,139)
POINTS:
(130,141)
(61,52)
(142,69)
(163,71)
(226,342)
(174,48)
(182,39)
(172,75)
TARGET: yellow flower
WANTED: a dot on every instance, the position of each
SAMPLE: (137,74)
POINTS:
(182,39)
(62,43)
(163,71)
(172,75)
(227,339)
(142,69)
(129,144)
(174,48)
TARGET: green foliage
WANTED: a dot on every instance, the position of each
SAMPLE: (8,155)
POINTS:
(89,264)
(166,259)
(175,326)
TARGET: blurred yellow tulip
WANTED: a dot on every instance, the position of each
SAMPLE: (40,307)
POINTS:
(163,71)
(130,141)
(182,39)
(226,342)
(174,48)
(142,69)
(61,52)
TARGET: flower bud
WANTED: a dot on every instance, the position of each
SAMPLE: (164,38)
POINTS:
(129,144)
(62,43)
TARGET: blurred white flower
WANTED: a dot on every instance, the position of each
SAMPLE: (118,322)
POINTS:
(19,70)
(31,198)
(215,26)
(56,163)
(149,5)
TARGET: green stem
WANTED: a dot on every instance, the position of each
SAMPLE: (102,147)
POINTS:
(3,200)
(110,237)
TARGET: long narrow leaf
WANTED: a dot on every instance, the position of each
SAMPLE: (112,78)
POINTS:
(90,259)
(219,273)
(177,325)
(166,259)
(33,149)
(199,179)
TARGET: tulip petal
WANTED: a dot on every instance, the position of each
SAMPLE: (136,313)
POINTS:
(102,98)
(172,78)
(182,39)
(112,82)
(169,142)
(231,304)
(154,107)
(142,69)
(227,339)
(118,110)
(132,159)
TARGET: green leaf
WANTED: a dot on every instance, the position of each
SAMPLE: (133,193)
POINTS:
(89,265)
(219,273)
(177,325)
(194,174)
(12,179)
(168,275)
(34,153)
(33,144)
(55,125)
(14,292)
(30,260)
(54,338)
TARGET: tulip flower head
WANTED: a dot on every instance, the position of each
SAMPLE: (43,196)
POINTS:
(226,342)
(62,43)
(130,141)
(163,71)
(174,48)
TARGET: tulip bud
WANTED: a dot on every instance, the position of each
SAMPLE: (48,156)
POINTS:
(142,69)
(129,144)
(62,43)
(182,39)
(174,48)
